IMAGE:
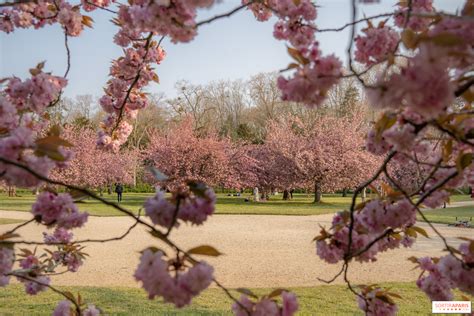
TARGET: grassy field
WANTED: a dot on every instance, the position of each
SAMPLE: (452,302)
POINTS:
(300,205)
(448,215)
(319,300)
(4,221)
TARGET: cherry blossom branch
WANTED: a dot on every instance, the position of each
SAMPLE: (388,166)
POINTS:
(19,226)
(452,134)
(83,241)
(351,41)
(349,286)
(224,15)
(134,82)
(338,29)
(156,232)
(373,242)
(68,52)
(20,276)
(81,190)
(13,3)
(101,7)
(356,193)
(420,201)
(343,267)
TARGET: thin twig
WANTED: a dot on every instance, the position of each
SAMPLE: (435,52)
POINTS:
(68,52)
(132,85)
(338,29)
(224,15)
(24,277)
(19,226)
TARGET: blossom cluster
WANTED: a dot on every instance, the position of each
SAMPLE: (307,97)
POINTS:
(21,103)
(32,278)
(371,222)
(314,74)
(65,308)
(447,273)
(192,208)
(58,209)
(60,235)
(377,45)
(375,301)
(266,306)
(154,273)
(173,18)
(123,95)
(412,16)
(40,13)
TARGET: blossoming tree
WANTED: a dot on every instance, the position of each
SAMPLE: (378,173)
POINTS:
(424,59)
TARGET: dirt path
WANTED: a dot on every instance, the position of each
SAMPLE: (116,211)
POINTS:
(260,251)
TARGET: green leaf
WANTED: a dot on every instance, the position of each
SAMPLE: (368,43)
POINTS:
(246,292)
(385,298)
(394,295)
(463,161)
(421,231)
(296,55)
(447,39)
(411,232)
(205,250)
(8,236)
(70,296)
(276,292)
(49,146)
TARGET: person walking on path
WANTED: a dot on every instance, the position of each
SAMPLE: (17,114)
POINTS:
(119,190)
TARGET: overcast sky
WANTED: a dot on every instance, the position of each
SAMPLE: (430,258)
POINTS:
(232,48)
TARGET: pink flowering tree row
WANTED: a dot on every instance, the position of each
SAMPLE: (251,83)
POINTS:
(423,59)
(92,167)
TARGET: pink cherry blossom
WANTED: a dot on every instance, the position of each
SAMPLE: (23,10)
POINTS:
(63,308)
(91,310)
(178,289)
(160,210)
(376,46)
(415,22)
(374,306)
(60,235)
(58,209)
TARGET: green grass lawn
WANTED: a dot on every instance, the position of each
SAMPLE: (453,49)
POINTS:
(461,198)
(448,215)
(319,300)
(300,205)
(4,221)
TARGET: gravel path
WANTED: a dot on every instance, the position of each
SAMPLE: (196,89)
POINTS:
(260,251)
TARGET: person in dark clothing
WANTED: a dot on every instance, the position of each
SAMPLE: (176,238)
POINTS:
(119,190)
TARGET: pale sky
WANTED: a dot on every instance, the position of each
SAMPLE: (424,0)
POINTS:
(233,48)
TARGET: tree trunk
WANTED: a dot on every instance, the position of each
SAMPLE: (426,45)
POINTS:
(317,193)
(135,172)
(11,191)
(344,192)
(364,194)
(286,195)
(109,189)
